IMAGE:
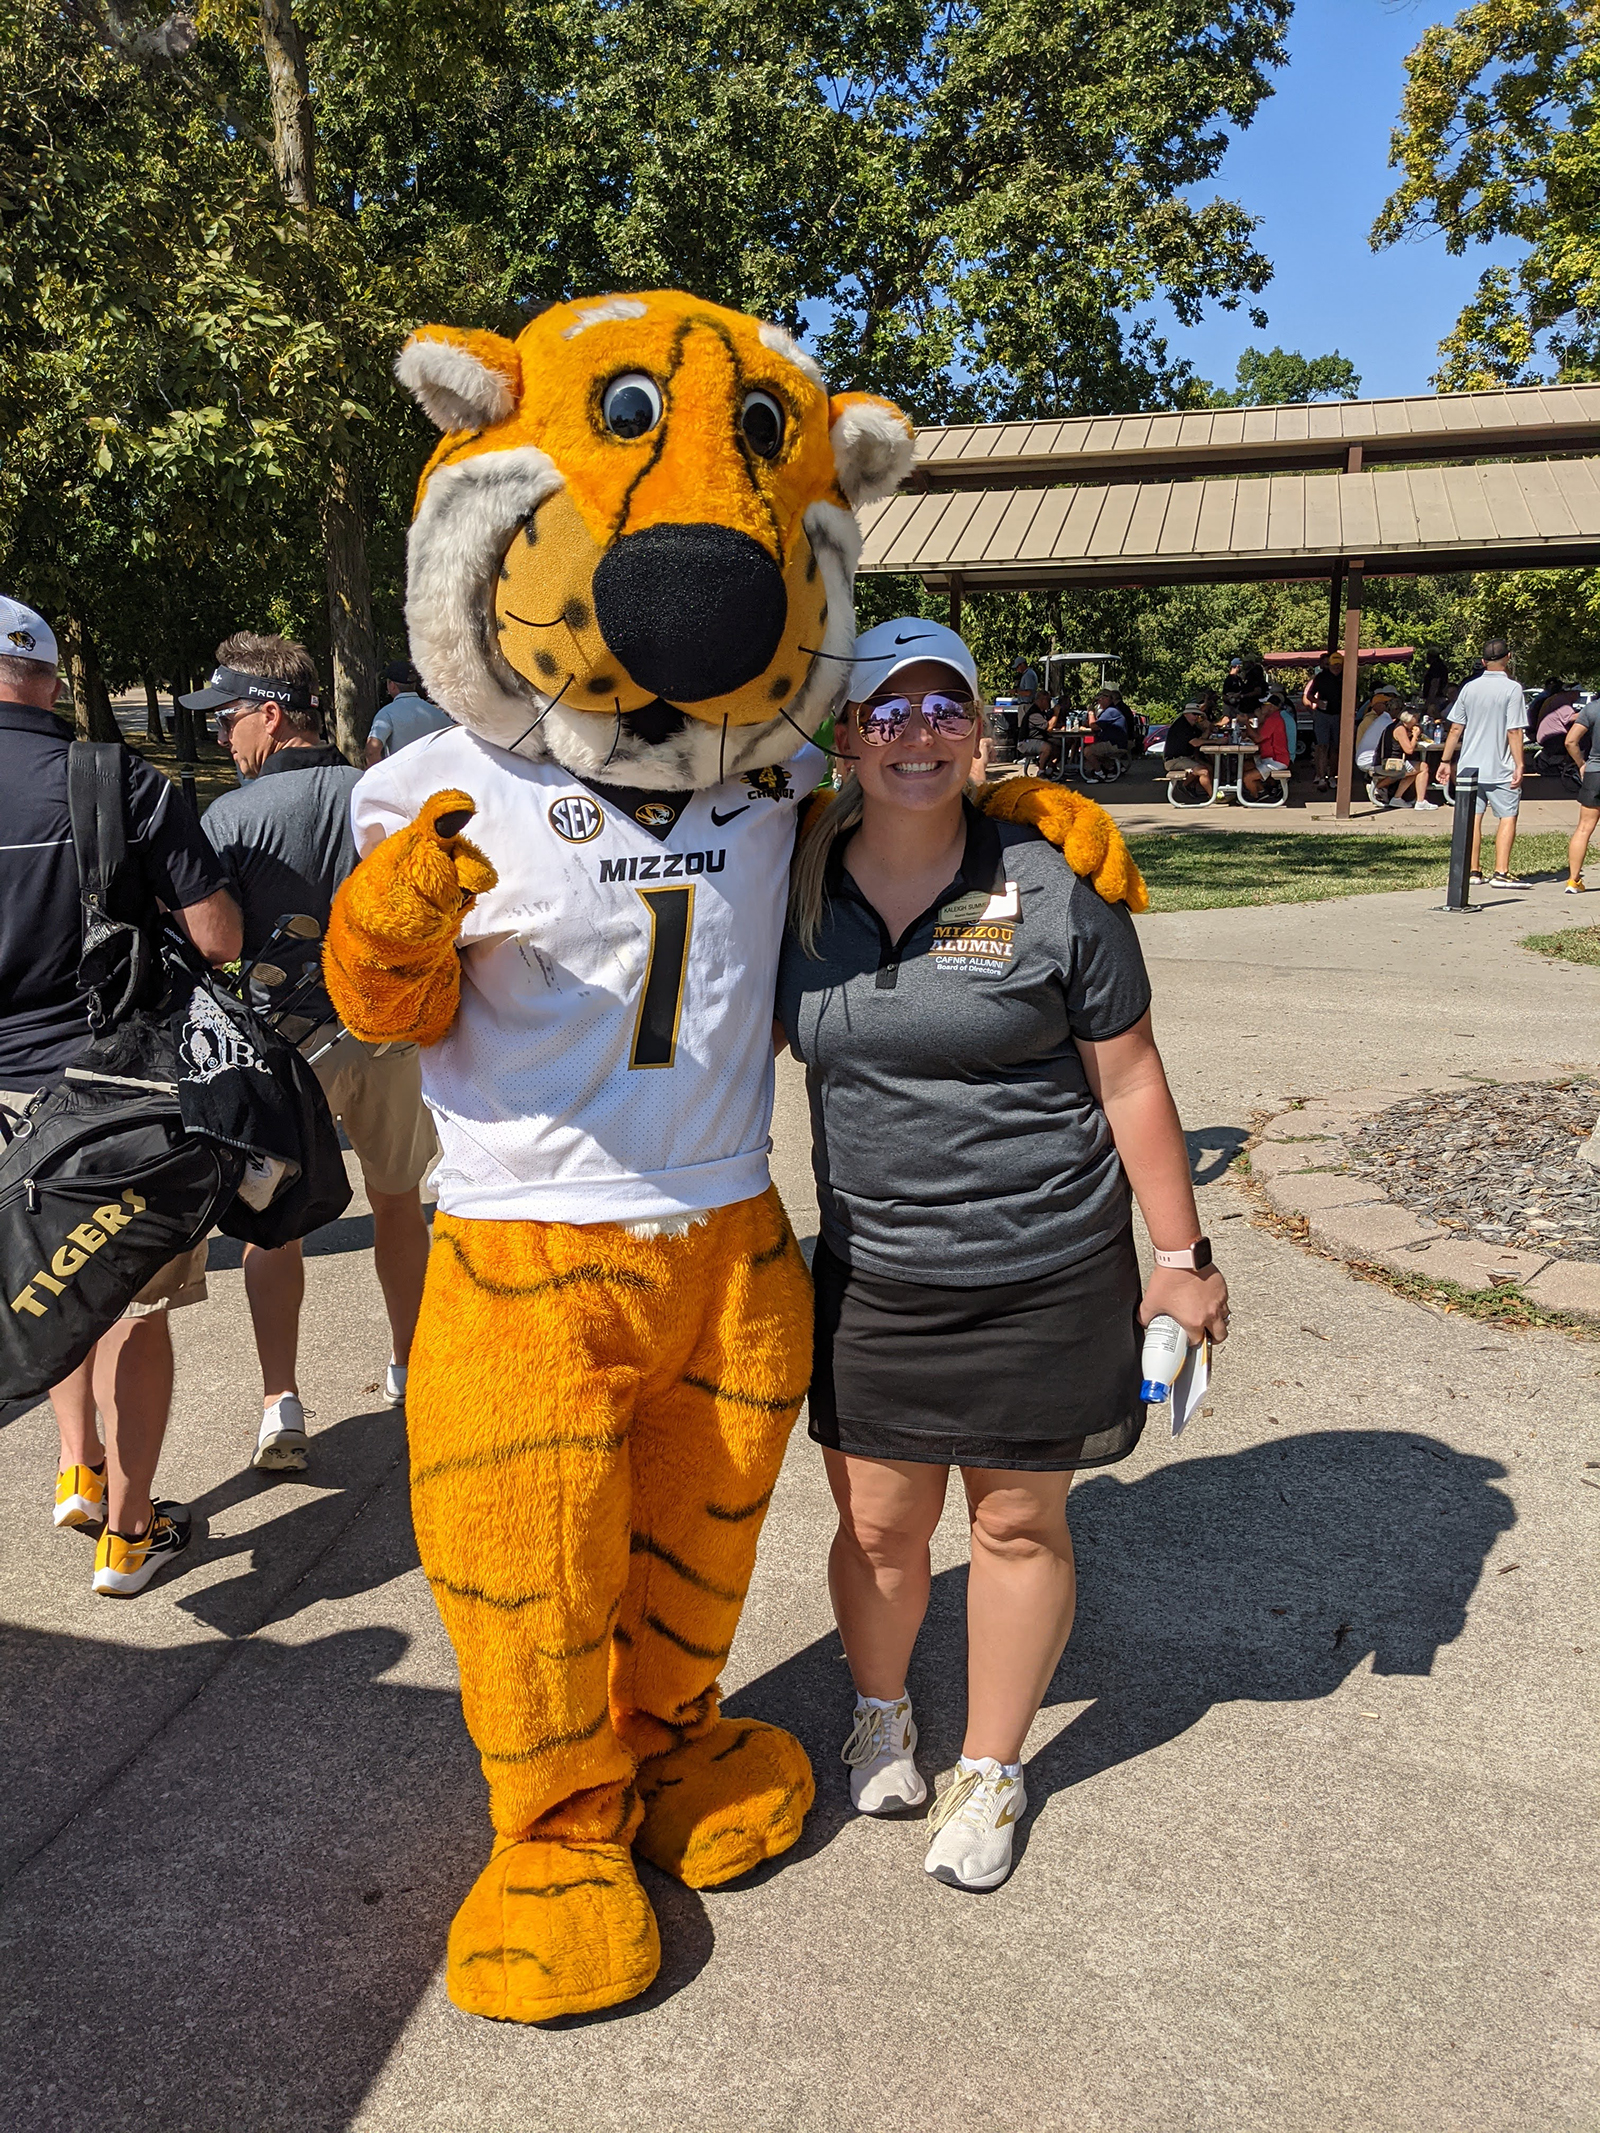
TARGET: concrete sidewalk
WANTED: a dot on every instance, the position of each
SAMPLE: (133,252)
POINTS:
(1309,1847)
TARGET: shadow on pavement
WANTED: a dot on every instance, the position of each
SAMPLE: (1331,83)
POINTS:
(348,1459)
(1264,1576)
(1212,1149)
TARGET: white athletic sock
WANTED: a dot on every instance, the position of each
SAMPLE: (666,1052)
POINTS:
(1010,1770)
(879,1703)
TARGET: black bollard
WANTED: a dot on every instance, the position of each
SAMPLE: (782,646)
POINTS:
(1461,840)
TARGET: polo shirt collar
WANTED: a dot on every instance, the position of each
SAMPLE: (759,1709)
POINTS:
(29,718)
(982,862)
(302,759)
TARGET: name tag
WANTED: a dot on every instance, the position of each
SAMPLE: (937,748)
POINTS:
(978,907)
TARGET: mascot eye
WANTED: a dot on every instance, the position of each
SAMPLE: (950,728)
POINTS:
(762,423)
(631,404)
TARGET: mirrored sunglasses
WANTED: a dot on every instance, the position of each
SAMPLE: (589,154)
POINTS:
(885,718)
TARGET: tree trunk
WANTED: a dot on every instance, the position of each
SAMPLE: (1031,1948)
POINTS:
(351,649)
(152,710)
(96,721)
(344,526)
(293,132)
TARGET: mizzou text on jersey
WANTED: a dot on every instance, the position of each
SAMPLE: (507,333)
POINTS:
(621,974)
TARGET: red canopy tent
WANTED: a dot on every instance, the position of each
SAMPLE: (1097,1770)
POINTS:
(1369,657)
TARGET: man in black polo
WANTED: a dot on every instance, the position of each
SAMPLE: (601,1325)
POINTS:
(44,1028)
(285,841)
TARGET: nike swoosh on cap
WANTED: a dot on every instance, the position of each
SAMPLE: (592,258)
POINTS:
(722,821)
(916,637)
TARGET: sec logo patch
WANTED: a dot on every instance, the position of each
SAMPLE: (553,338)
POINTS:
(576,819)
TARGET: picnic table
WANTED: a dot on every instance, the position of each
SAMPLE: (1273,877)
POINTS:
(1223,787)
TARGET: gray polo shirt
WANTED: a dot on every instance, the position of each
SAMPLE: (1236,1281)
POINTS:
(1490,707)
(286,842)
(954,1135)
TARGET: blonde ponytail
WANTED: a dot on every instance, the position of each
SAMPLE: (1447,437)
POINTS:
(826,822)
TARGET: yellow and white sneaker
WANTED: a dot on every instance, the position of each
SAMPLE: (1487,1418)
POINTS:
(124,1565)
(881,1752)
(81,1498)
(975,1818)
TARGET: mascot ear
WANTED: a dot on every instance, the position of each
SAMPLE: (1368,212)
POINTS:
(873,445)
(463,381)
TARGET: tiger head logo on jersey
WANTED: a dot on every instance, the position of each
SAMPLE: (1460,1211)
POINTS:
(633,550)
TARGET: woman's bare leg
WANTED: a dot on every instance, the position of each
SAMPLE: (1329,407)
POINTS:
(878,1568)
(1577,850)
(1021,1594)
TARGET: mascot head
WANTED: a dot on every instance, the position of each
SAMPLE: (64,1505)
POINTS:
(633,551)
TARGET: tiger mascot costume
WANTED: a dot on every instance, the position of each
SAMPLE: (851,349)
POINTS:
(629,583)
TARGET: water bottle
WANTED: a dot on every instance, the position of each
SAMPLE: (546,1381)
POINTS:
(1165,1347)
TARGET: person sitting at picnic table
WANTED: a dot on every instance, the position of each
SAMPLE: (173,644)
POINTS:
(1184,736)
(1113,737)
(1033,727)
(1373,732)
(1276,753)
(1403,762)
(1063,719)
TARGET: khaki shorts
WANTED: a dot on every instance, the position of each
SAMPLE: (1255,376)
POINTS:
(181,1281)
(377,1098)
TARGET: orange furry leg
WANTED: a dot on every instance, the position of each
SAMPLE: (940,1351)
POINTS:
(518,1422)
(719,1795)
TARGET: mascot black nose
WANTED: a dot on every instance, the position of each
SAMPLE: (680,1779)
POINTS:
(691,611)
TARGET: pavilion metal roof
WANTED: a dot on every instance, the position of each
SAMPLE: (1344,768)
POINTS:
(1543,515)
(1240,440)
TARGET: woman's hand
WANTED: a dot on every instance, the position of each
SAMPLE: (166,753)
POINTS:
(1199,1302)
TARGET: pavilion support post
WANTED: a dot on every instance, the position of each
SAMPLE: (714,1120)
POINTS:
(1347,693)
(955,601)
(1335,606)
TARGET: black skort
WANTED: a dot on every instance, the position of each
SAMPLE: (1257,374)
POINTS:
(1589,788)
(1039,1375)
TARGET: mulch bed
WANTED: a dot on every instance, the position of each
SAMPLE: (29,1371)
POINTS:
(1498,1162)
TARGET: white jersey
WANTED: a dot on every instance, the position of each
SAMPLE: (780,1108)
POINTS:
(612,1057)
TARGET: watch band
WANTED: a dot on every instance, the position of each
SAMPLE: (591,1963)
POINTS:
(1197,1258)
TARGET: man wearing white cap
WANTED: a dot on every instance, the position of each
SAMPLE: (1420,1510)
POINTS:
(43,1028)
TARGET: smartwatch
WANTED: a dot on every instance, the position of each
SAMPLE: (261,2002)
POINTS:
(1197,1258)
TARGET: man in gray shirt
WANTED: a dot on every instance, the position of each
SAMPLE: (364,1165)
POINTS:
(285,841)
(1486,729)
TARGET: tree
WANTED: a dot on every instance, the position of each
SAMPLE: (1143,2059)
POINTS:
(1279,378)
(1499,136)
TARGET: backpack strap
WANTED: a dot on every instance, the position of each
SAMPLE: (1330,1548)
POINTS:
(98,804)
(118,956)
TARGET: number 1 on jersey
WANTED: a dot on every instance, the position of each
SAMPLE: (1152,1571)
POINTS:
(655,1034)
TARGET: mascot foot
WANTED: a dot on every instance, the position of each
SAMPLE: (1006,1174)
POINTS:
(552,1929)
(717,1807)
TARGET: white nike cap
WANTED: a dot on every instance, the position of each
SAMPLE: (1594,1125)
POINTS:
(883,650)
(25,635)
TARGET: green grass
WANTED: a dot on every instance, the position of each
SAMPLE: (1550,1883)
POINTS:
(1579,944)
(1205,870)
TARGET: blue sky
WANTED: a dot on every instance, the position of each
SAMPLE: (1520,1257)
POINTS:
(1314,167)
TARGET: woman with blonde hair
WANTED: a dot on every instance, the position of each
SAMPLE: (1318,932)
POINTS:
(973,1019)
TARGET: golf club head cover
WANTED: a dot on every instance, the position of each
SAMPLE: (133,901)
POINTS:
(390,957)
(1084,834)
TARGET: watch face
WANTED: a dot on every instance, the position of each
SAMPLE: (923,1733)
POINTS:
(1202,1254)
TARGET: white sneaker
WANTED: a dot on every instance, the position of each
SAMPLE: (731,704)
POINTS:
(1426,807)
(394,1384)
(975,1817)
(281,1446)
(884,1778)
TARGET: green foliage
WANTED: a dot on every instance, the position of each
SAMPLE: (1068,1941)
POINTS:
(1499,136)
(1550,618)
(1279,377)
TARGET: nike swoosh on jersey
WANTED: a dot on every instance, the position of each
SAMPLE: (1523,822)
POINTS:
(722,821)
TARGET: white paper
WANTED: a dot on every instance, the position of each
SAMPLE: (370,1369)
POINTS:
(1189,1387)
